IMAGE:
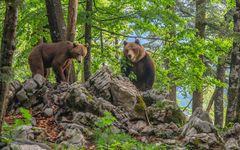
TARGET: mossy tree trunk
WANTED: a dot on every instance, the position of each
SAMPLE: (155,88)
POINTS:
(88,39)
(234,69)
(6,53)
(218,94)
(56,20)
(217,97)
(71,31)
(197,98)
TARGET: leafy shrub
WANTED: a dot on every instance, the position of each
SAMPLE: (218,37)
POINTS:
(106,138)
(8,130)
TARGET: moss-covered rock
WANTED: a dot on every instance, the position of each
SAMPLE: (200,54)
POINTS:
(166,111)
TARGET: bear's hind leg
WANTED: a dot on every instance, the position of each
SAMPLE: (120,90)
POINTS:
(46,72)
(36,66)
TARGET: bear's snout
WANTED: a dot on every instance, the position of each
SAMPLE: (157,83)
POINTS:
(129,56)
(79,59)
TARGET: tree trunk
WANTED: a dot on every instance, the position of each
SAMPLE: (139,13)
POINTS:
(197,100)
(172,86)
(173,93)
(71,31)
(200,26)
(237,119)
(218,98)
(6,53)
(72,19)
(56,20)
(234,69)
(88,40)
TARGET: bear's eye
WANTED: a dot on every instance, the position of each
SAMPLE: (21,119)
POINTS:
(126,50)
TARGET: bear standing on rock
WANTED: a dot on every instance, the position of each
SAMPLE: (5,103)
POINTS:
(56,55)
(143,65)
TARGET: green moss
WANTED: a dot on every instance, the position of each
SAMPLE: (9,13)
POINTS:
(140,106)
(89,96)
(177,116)
(160,104)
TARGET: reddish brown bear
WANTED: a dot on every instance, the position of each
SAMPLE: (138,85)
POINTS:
(56,55)
(143,65)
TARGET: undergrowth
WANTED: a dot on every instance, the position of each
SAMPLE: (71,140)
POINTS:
(108,139)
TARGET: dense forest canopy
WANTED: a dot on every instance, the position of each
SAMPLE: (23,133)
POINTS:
(166,28)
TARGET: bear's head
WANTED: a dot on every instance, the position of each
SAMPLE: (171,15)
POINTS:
(134,51)
(78,52)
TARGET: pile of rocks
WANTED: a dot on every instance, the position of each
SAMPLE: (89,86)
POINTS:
(66,114)
(199,132)
(232,138)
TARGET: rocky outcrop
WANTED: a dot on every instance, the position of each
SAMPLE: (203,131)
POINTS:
(232,138)
(66,114)
(165,111)
(199,132)
(117,90)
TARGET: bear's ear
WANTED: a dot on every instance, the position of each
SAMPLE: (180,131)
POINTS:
(125,43)
(137,41)
(86,45)
(75,44)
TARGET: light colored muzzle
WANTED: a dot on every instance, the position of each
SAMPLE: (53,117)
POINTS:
(79,59)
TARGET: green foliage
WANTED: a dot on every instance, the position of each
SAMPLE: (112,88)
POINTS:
(8,130)
(106,138)
(176,54)
(105,121)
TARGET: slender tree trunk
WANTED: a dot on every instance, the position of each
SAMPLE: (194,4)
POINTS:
(173,93)
(6,53)
(72,19)
(88,40)
(238,104)
(71,31)
(234,69)
(218,98)
(173,87)
(200,26)
(56,20)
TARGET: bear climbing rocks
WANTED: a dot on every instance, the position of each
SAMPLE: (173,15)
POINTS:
(56,55)
(143,65)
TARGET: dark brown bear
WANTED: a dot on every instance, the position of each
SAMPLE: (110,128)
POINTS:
(56,55)
(143,65)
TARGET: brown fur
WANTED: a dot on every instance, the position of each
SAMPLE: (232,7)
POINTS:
(143,65)
(56,55)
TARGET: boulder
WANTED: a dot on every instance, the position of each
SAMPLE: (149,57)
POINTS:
(48,112)
(99,83)
(165,111)
(153,96)
(232,138)
(20,144)
(39,79)
(232,144)
(22,96)
(199,132)
(30,86)
(117,90)
(75,137)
